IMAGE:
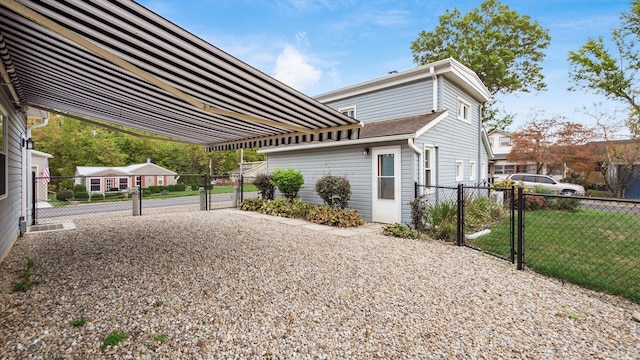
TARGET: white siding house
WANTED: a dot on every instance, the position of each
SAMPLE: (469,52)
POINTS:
(104,179)
(420,126)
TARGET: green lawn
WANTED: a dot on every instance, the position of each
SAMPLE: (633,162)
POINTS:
(595,249)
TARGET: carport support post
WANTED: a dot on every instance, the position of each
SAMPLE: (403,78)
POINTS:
(203,198)
(460,230)
(135,202)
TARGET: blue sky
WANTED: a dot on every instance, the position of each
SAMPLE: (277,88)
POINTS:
(317,46)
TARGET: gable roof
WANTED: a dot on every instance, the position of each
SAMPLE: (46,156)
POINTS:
(148,169)
(450,68)
(119,62)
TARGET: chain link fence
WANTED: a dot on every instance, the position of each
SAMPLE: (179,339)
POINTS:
(592,242)
(57,199)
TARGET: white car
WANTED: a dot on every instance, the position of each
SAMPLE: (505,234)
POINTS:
(545,181)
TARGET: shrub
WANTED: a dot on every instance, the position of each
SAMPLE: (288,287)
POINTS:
(81,195)
(419,212)
(79,188)
(64,195)
(113,195)
(570,204)
(265,186)
(154,189)
(334,190)
(288,181)
(442,220)
(180,187)
(478,213)
(506,183)
(327,215)
(253,204)
(170,188)
(96,196)
(284,207)
(400,231)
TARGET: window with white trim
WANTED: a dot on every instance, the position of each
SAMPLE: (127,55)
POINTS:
(123,183)
(459,170)
(483,170)
(505,141)
(3,157)
(110,183)
(472,170)
(464,110)
(160,180)
(429,166)
(95,185)
(350,111)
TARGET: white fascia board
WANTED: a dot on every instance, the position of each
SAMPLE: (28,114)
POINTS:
(325,144)
(432,123)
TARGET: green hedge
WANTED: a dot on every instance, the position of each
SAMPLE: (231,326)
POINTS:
(81,195)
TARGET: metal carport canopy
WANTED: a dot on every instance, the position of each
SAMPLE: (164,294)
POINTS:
(119,62)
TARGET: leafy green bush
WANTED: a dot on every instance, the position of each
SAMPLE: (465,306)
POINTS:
(288,181)
(478,213)
(284,207)
(400,231)
(113,195)
(180,187)
(569,203)
(64,195)
(79,188)
(170,188)
(442,220)
(253,204)
(81,195)
(96,196)
(334,190)
(265,186)
(327,215)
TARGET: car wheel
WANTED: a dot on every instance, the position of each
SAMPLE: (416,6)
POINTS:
(567,192)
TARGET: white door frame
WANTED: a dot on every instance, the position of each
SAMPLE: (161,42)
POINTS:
(394,206)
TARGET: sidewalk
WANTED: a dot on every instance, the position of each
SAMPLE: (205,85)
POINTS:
(367,228)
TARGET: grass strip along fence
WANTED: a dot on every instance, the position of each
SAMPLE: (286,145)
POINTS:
(592,242)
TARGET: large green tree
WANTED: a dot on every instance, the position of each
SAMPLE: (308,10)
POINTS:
(612,74)
(503,47)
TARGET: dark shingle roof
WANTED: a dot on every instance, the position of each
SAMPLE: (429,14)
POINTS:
(399,126)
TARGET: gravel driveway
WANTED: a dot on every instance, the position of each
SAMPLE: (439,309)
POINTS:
(208,285)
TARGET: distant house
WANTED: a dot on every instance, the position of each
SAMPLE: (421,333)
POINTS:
(249,170)
(40,162)
(103,179)
(500,168)
(421,126)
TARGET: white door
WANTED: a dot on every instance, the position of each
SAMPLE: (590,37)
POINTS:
(386,184)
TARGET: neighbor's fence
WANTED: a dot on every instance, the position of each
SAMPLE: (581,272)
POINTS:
(593,242)
(57,199)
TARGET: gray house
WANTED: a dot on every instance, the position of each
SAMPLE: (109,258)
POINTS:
(420,126)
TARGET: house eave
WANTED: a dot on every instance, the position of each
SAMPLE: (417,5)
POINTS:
(322,145)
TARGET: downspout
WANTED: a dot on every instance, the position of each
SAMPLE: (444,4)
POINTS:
(479,167)
(26,174)
(417,150)
(434,84)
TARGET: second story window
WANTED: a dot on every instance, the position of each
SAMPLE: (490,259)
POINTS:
(505,141)
(464,110)
(350,111)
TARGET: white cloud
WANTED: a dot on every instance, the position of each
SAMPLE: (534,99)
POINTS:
(296,69)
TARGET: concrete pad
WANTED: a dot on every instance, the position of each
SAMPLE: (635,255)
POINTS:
(295,222)
(318,227)
(342,232)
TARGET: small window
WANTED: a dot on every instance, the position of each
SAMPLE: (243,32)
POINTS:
(138,180)
(463,110)
(124,183)
(110,184)
(472,170)
(160,180)
(505,141)
(350,111)
(429,163)
(459,170)
(95,185)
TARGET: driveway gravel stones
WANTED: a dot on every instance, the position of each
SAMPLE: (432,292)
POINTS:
(219,284)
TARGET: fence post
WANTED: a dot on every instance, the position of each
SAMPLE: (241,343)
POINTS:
(512,230)
(203,198)
(241,188)
(135,202)
(460,230)
(33,197)
(520,228)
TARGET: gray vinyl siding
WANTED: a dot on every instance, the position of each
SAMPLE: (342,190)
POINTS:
(11,206)
(456,140)
(408,99)
(347,161)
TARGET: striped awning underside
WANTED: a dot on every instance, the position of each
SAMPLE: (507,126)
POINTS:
(121,63)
